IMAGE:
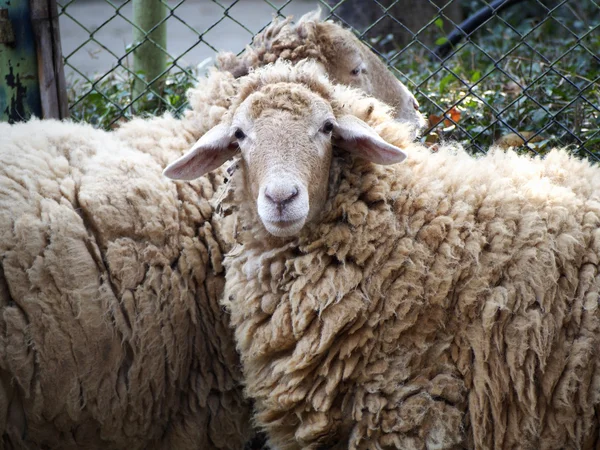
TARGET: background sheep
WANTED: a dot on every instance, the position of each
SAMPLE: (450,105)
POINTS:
(345,59)
(446,302)
(98,249)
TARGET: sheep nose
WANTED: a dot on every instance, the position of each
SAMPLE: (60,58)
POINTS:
(281,195)
(415,104)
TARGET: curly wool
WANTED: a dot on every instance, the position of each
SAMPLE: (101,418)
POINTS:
(111,335)
(166,138)
(446,302)
(278,41)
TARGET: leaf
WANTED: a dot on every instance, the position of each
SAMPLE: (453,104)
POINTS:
(434,120)
(445,81)
(439,22)
(454,115)
(475,76)
(441,41)
(539,116)
(431,139)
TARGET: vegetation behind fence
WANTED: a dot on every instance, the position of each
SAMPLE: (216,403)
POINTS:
(527,76)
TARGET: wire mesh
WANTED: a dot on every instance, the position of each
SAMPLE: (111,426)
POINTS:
(527,74)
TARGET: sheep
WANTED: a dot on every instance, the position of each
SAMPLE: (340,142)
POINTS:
(445,302)
(166,138)
(110,331)
(346,59)
(104,229)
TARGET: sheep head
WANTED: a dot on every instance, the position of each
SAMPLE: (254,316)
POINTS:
(344,57)
(361,68)
(284,129)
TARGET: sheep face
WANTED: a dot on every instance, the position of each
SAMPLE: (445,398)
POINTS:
(285,134)
(352,63)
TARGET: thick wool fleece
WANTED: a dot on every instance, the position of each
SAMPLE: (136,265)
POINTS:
(110,331)
(167,138)
(278,41)
(446,302)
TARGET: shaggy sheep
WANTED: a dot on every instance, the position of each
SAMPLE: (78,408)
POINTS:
(345,59)
(95,248)
(447,302)
(110,331)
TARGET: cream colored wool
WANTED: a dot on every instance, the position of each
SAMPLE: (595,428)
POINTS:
(111,336)
(446,302)
(100,222)
(166,137)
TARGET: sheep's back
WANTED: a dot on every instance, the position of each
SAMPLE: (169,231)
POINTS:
(111,331)
(516,268)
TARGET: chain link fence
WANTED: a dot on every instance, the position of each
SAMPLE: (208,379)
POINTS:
(516,73)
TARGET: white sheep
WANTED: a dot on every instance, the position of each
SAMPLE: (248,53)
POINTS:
(101,257)
(340,54)
(446,302)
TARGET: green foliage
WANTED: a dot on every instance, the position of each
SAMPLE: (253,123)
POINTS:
(523,72)
(106,100)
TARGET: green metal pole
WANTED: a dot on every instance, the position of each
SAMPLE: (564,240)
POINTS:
(149,59)
(19,87)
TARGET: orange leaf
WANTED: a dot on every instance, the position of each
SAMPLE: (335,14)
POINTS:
(454,115)
(434,120)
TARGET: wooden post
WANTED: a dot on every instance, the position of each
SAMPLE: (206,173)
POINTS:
(19,89)
(149,59)
(53,90)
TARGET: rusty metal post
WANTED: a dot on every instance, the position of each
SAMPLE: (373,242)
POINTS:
(19,87)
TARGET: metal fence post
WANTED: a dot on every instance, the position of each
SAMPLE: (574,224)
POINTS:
(151,30)
(19,88)
(53,89)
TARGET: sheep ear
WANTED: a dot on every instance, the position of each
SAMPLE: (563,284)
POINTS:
(356,137)
(212,150)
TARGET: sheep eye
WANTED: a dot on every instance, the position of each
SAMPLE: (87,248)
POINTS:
(327,127)
(239,134)
(361,68)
